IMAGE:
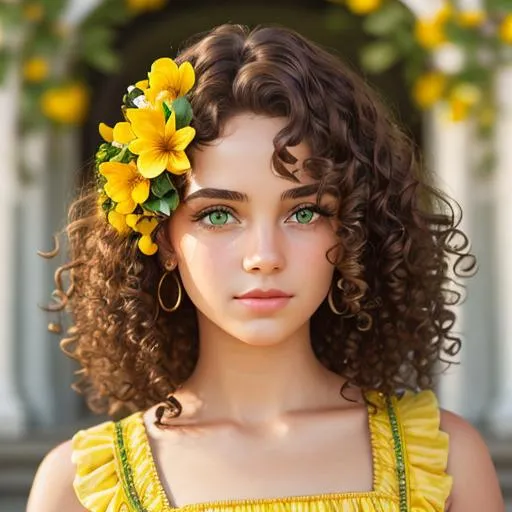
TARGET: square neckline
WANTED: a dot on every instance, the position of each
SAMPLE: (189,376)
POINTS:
(374,492)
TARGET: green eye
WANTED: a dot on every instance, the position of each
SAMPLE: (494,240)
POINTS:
(304,216)
(218,218)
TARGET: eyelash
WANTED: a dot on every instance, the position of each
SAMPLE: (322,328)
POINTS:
(199,216)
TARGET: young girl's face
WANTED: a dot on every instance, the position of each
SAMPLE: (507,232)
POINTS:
(242,229)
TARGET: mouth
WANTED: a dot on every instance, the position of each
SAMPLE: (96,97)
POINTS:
(264,301)
(264,294)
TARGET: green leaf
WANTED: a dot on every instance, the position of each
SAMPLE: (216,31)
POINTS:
(385,20)
(167,111)
(183,110)
(161,185)
(164,205)
(379,57)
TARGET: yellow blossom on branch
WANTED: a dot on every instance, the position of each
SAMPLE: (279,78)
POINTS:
(33,11)
(363,6)
(125,185)
(506,29)
(472,18)
(36,69)
(429,89)
(430,33)
(66,104)
(159,145)
(138,6)
(462,99)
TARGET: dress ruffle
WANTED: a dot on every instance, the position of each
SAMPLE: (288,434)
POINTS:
(97,481)
(425,450)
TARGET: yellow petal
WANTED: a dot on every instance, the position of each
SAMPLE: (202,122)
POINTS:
(118,191)
(152,163)
(118,170)
(182,138)
(140,191)
(178,162)
(132,219)
(146,123)
(146,246)
(125,207)
(142,84)
(106,132)
(164,74)
(170,127)
(137,146)
(123,133)
(187,78)
(118,222)
(146,225)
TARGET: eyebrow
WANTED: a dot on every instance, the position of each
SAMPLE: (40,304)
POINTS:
(232,195)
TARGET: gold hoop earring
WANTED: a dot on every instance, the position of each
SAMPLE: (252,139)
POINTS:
(178,286)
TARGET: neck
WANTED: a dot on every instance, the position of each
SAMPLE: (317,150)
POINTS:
(254,384)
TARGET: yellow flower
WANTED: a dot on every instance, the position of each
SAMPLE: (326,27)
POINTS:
(472,18)
(363,6)
(144,225)
(138,6)
(462,98)
(159,145)
(430,32)
(118,222)
(124,185)
(122,133)
(167,81)
(67,104)
(36,69)
(429,89)
(506,29)
(33,11)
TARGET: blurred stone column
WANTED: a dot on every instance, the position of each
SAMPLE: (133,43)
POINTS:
(501,414)
(12,416)
(447,146)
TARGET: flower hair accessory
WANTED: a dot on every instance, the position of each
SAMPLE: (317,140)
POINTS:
(140,155)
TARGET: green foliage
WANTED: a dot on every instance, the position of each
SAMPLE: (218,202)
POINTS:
(164,205)
(386,20)
(379,56)
(183,110)
(161,185)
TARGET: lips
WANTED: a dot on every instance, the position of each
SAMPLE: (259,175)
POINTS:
(264,294)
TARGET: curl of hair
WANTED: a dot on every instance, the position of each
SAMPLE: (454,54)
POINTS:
(399,248)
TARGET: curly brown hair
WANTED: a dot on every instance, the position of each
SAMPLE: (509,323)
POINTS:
(400,240)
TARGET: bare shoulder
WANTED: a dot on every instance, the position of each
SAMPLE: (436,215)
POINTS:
(475,483)
(52,489)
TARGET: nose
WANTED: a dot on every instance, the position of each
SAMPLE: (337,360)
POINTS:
(264,250)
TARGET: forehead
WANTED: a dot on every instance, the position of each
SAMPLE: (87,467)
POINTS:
(242,157)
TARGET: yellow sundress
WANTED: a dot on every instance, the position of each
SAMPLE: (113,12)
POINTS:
(116,471)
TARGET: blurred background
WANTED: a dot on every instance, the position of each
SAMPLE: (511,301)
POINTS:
(443,67)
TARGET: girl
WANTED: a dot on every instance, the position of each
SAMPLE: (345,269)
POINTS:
(259,280)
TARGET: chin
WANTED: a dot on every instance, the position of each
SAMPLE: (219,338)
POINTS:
(264,335)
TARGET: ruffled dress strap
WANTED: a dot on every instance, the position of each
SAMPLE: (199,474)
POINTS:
(115,471)
(410,451)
